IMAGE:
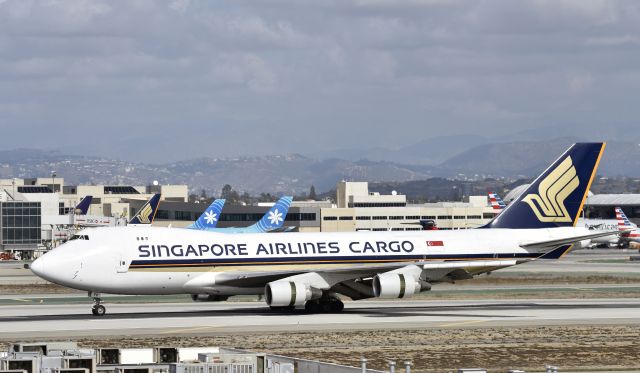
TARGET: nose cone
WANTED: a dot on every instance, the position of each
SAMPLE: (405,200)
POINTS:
(37,266)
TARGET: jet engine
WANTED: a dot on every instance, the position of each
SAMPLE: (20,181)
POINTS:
(397,285)
(288,293)
(208,298)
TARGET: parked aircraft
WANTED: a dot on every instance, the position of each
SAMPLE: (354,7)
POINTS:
(630,232)
(311,269)
(210,216)
(497,203)
(273,220)
(83,206)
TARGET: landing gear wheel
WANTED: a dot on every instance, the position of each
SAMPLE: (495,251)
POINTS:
(312,306)
(330,305)
(98,310)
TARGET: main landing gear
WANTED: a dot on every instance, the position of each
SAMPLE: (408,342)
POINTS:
(324,305)
(98,309)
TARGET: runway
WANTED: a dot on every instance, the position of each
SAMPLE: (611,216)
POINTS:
(163,319)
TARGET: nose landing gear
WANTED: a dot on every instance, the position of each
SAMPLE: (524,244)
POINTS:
(98,309)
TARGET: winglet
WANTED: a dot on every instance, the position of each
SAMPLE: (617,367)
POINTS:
(556,197)
(147,213)
(210,216)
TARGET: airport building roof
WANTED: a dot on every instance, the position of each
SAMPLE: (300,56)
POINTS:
(613,199)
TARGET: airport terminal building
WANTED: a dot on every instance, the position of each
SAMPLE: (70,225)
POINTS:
(38,214)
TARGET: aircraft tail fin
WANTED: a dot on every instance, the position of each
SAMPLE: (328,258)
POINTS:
(623,222)
(555,198)
(147,213)
(274,218)
(496,202)
(83,206)
(210,216)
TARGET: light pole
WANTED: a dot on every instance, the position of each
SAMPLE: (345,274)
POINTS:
(53,185)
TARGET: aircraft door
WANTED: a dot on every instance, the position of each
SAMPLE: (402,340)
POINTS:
(122,266)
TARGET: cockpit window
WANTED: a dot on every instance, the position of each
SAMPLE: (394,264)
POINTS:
(79,237)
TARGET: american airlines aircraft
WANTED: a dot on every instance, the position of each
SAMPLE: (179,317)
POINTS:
(310,270)
(630,232)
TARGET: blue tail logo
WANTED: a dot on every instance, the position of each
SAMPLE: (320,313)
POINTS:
(553,190)
(210,216)
(82,207)
(274,218)
(555,198)
(148,212)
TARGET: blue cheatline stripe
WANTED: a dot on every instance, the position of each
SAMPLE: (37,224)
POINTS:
(222,262)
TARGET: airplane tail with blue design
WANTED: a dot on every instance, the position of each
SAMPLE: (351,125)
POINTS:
(274,218)
(555,198)
(210,216)
(83,206)
(147,213)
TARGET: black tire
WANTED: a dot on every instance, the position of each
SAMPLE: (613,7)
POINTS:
(98,310)
(312,307)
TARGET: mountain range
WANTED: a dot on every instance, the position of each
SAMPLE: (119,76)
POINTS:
(295,173)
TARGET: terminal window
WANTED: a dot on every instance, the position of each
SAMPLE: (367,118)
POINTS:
(444,217)
(379,217)
(21,223)
(363,217)
(428,217)
(330,218)
(346,218)
(396,217)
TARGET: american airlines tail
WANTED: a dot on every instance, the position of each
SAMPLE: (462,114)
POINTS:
(497,203)
(623,222)
(556,197)
(210,216)
(83,206)
(147,213)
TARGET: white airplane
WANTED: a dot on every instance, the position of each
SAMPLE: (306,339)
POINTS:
(312,269)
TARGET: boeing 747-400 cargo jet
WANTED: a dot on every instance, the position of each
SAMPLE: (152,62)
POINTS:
(312,269)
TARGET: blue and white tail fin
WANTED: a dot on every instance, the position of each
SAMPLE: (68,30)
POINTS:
(147,213)
(623,222)
(274,218)
(83,206)
(555,198)
(210,216)
(496,202)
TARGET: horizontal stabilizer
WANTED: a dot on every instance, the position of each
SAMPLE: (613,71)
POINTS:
(552,244)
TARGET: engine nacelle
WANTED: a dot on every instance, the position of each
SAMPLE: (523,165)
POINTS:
(397,285)
(208,298)
(289,293)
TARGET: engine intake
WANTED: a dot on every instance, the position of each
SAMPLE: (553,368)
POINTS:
(397,285)
(289,293)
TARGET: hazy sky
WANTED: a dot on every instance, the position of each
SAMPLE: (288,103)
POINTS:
(166,80)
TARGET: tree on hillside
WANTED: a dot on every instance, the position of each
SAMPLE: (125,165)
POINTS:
(312,193)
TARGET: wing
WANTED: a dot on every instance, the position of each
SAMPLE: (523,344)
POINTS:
(353,281)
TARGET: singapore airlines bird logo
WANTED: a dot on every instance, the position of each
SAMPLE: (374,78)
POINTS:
(210,217)
(275,216)
(145,214)
(548,204)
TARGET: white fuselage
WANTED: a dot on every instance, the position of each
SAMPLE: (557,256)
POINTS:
(155,260)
